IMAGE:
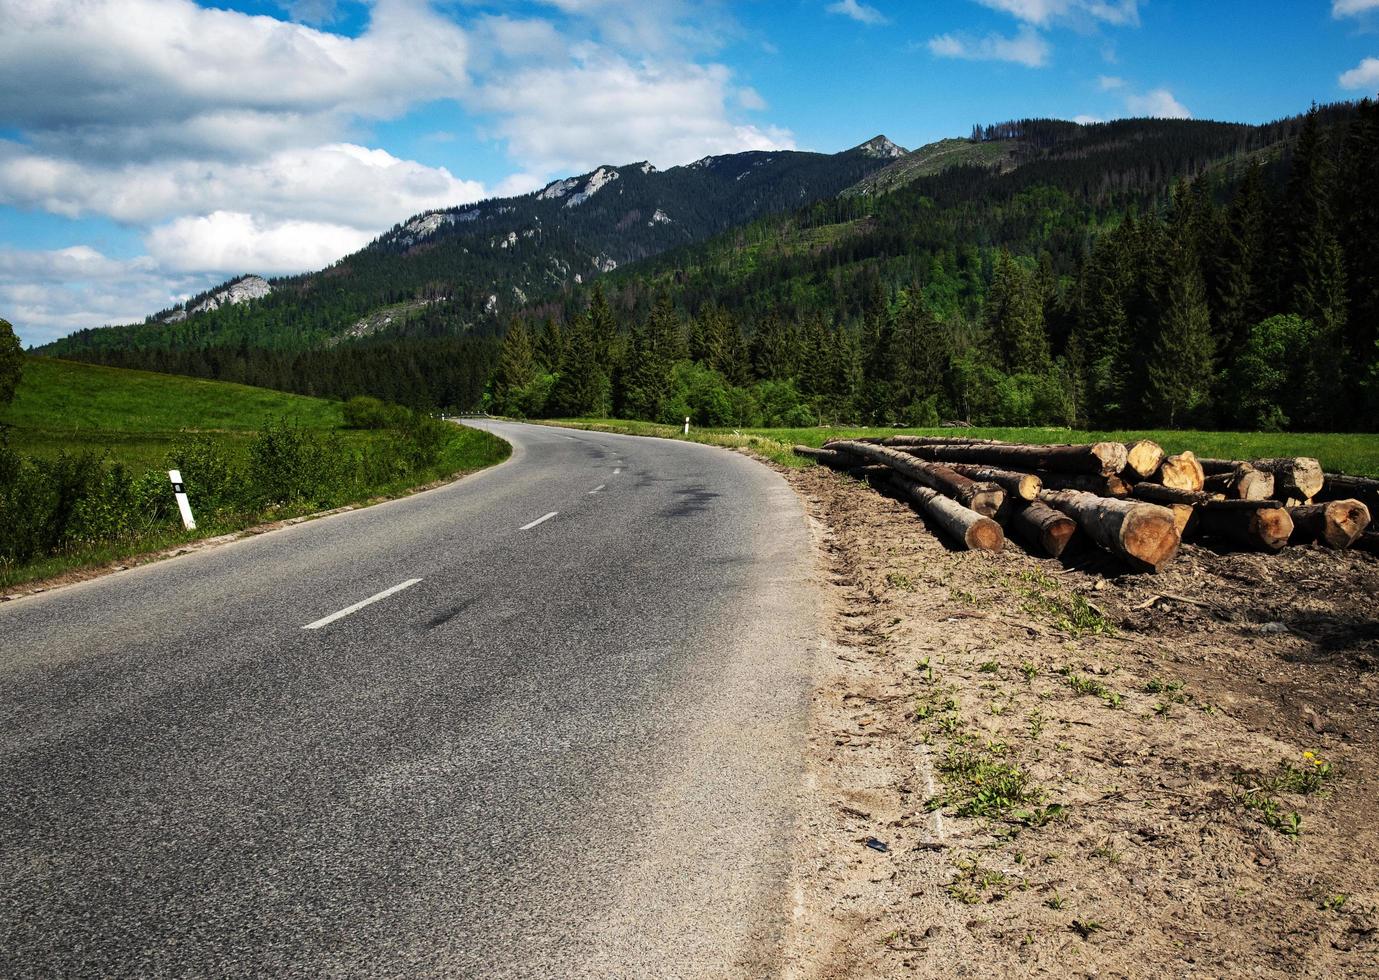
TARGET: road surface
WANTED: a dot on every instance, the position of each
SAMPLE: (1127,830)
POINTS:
(560,747)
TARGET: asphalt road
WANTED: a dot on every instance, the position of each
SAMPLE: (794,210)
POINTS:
(569,750)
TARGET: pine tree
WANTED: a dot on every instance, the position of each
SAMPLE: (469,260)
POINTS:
(516,367)
(550,348)
(1015,316)
(919,358)
(1179,370)
(583,387)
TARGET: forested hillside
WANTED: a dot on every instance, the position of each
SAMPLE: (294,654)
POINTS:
(1133,273)
(462,270)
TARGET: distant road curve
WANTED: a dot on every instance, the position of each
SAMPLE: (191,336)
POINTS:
(545,721)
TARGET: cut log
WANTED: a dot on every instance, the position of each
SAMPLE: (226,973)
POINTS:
(974,531)
(1359,488)
(984,498)
(1295,477)
(1256,528)
(1043,527)
(936,441)
(1182,472)
(1102,486)
(1104,458)
(827,457)
(1336,524)
(1157,493)
(1243,482)
(1144,534)
(1018,486)
(1143,458)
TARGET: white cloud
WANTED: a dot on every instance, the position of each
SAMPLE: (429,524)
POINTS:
(1108,83)
(340,183)
(76,70)
(1087,120)
(1352,8)
(860,12)
(237,143)
(1158,103)
(48,294)
(1041,13)
(604,109)
(1363,75)
(231,242)
(1026,48)
(750,98)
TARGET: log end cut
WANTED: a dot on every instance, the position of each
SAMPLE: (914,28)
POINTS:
(1149,535)
(1182,472)
(984,534)
(1337,524)
(1144,458)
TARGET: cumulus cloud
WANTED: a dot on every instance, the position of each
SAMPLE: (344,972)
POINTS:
(1352,8)
(237,143)
(50,293)
(232,241)
(605,109)
(154,67)
(1044,12)
(340,183)
(1363,75)
(1158,103)
(1027,48)
(860,12)
(1109,83)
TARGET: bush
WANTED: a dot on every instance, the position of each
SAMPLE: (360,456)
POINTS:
(365,412)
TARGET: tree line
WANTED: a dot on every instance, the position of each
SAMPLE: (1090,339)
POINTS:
(1241,297)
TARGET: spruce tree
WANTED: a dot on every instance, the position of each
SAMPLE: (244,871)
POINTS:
(1179,370)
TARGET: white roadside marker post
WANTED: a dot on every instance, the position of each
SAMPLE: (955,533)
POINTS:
(184,507)
(686,425)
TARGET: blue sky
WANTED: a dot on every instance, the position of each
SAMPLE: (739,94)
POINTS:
(150,148)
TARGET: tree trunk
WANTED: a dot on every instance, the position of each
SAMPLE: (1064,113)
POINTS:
(1243,482)
(900,441)
(1257,528)
(1143,458)
(1018,486)
(1157,493)
(1044,528)
(1336,524)
(1182,472)
(1104,458)
(827,457)
(1102,486)
(1359,488)
(984,498)
(973,530)
(1144,534)
(1295,477)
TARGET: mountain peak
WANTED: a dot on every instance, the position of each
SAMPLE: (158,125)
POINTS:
(882,148)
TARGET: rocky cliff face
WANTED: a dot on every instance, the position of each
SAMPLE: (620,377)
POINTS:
(236,291)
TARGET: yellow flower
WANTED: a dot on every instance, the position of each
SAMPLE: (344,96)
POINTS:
(1308,755)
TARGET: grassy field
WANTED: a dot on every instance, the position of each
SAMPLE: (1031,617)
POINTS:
(136,417)
(1353,453)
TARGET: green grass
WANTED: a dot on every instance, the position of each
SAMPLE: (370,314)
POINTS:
(137,416)
(1353,453)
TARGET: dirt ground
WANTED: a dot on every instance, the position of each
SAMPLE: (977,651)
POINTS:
(1029,767)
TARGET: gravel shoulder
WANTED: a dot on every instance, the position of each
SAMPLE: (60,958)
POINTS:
(1028,767)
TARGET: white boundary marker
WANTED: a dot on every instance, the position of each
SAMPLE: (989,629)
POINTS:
(539,520)
(184,506)
(327,620)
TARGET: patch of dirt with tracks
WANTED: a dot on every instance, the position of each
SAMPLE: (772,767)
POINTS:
(1028,767)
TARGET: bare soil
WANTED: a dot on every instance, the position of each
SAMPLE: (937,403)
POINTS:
(1028,767)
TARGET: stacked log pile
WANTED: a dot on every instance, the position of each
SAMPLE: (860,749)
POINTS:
(1133,500)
